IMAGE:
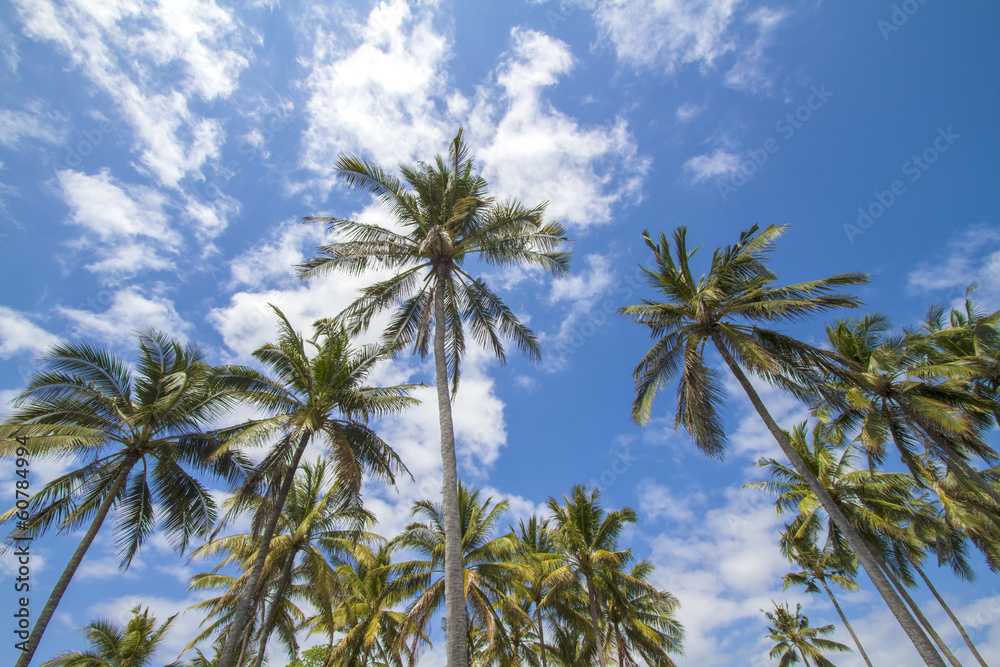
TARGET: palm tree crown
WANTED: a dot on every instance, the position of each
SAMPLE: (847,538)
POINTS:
(793,637)
(90,403)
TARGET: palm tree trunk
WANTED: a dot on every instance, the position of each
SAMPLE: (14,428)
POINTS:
(923,619)
(272,612)
(74,562)
(951,455)
(804,658)
(595,621)
(895,604)
(454,563)
(951,615)
(857,642)
(621,649)
(541,635)
(242,613)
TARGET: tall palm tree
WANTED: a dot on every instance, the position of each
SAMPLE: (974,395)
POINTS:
(489,566)
(543,584)
(876,505)
(723,308)
(115,646)
(138,430)
(319,508)
(587,537)
(821,566)
(793,637)
(320,396)
(894,387)
(640,618)
(446,216)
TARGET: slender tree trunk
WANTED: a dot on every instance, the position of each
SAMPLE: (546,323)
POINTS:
(896,606)
(923,619)
(804,658)
(951,455)
(242,613)
(74,562)
(951,615)
(621,649)
(541,635)
(454,563)
(596,620)
(857,642)
(272,612)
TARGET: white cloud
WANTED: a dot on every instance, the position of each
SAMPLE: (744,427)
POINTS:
(128,311)
(19,334)
(689,111)
(581,289)
(18,125)
(125,225)
(394,105)
(658,502)
(537,153)
(971,256)
(274,260)
(749,72)
(718,163)
(381,97)
(668,33)
(723,565)
(128,50)
(585,309)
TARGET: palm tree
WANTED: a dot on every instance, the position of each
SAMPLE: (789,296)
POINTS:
(895,387)
(446,216)
(640,618)
(587,538)
(791,632)
(489,565)
(876,504)
(371,588)
(739,286)
(90,403)
(822,566)
(114,646)
(319,396)
(543,584)
(318,509)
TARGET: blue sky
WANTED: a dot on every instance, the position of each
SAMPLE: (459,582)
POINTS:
(156,159)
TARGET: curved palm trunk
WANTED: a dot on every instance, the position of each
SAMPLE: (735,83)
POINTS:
(74,562)
(857,642)
(802,652)
(242,613)
(541,635)
(454,589)
(595,621)
(923,619)
(895,604)
(951,615)
(272,612)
